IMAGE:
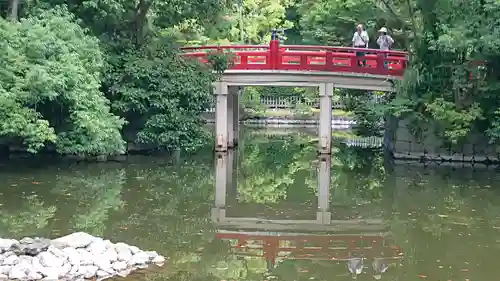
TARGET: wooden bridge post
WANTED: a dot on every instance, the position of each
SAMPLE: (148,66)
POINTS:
(325,118)
(221,121)
(323,215)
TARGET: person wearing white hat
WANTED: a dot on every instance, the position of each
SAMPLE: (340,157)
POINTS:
(385,41)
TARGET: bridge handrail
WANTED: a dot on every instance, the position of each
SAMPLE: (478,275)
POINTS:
(306,58)
(351,49)
(294,47)
(224,47)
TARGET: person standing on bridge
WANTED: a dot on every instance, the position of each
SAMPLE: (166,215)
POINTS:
(385,42)
(360,40)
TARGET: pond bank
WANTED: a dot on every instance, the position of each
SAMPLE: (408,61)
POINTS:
(77,256)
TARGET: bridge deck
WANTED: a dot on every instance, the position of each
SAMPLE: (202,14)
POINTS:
(294,78)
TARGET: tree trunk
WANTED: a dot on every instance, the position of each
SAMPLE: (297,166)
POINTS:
(14,10)
(141,19)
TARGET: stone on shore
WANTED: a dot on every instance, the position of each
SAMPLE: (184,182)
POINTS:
(76,256)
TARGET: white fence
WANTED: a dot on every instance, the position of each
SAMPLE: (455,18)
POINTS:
(293,101)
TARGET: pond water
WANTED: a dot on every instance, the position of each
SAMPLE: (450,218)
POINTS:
(424,223)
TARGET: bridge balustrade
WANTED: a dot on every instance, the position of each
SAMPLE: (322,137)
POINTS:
(305,58)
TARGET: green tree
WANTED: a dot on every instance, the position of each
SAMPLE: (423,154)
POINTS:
(50,87)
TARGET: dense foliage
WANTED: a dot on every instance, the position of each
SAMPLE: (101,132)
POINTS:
(79,79)
(88,76)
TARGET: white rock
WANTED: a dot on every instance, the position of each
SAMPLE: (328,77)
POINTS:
(25,258)
(124,273)
(64,270)
(124,253)
(103,263)
(58,253)
(141,266)
(108,244)
(24,263)
(11,260)
(48,259)
(73,255)
(6,244)
(36,265)
(158,259)
(5,269)
(33,275)
(139,258)
(88,271)
(74,270)
(50,273)
(111,254)
(85,257)
(134,249)
(102,273)
(151,254)
(17,273)
(119,265)
(75,240)
(96,247)
(8,254)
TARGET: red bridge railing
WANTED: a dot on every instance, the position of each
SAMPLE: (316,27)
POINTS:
(314,247)
(306,58)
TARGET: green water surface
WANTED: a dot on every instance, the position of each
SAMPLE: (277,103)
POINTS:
(444,219)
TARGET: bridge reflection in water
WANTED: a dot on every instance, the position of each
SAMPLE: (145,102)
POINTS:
(347,242)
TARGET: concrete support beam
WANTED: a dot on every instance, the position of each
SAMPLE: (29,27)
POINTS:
(231,96)
(233,116)
(223,176)
(236,116)
(323,215)
(325,118)
(221,117)
(221,179)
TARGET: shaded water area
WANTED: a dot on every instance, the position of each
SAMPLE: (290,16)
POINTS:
(440,223)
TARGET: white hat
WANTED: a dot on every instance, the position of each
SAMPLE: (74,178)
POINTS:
(383,29)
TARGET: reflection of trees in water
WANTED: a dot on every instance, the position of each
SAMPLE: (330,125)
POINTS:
(275,169)
(28,218)
(168,210)
(440,214)
(97,191)
(269,168)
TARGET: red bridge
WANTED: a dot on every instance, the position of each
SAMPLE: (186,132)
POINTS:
(296,246)
(306,58)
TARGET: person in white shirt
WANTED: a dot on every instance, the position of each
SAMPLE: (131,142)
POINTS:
(384,41)
(360,39)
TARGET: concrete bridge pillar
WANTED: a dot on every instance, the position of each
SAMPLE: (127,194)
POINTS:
(221,116)
(223,170)
(233,115)
(323,215)
(226,116)
(325,118)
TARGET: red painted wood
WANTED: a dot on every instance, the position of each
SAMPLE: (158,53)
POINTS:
(305,58)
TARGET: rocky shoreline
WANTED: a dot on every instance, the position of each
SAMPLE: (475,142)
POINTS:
(78,256)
